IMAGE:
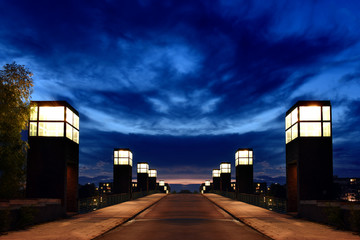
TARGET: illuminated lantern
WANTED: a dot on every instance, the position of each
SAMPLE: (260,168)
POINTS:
(225,176)
(53,156)
(123,160)
(207,183)
(143,176)
(309,167)
(152,179)
(244,170)
(216,179)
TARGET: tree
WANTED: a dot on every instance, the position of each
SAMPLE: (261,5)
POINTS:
(15,91)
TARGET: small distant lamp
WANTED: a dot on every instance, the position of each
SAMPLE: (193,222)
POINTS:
(143,176)
(123,160)
(161,185)
(152,179)
(216,179)
(244,170)
(225,176)
(207,183)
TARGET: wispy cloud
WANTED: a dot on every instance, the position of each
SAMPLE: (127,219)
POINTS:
(175,74)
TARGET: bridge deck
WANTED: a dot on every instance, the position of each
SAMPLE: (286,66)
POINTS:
(183,216)
(278,226)
(94,224)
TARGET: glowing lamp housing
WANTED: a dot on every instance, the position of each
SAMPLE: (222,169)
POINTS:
(308,119)
(244,156)
(216,173)
(123,156)
(143,167)
(225,167)
(161,183)
(207,183)
(152,173)
(54,119)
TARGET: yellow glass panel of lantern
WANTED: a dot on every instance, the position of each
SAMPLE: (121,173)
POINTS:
(326,113)
(33,113)
(50,129)
(310,129)
(294,116)
(310,113)
(51,113)
(326,129)
(33,129)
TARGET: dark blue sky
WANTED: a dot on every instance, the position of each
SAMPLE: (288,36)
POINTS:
(185,83)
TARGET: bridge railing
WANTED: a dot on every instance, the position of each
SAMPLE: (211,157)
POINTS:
(271,203)
(98,202)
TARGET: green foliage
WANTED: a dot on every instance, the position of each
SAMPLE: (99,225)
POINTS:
(15,90)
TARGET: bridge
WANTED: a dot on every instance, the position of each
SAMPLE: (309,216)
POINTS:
(180,216)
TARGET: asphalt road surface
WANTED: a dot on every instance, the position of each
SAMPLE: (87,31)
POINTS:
(183,217)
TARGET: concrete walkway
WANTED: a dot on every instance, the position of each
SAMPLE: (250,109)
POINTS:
(276,225)
(89,225)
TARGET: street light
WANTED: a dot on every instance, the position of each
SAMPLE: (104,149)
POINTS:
(152,179)
(123,160)
(207,183)
(143,176)
(225,176)
(53,156)
(244,170)
(216,179)
(309,167)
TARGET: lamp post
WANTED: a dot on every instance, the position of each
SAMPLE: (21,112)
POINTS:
(244,170)
(207,185)
(53,156)
(123,160)
(216,179)
(143,176)
(309,159)
(161,185)
(152,179)
(225,176)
